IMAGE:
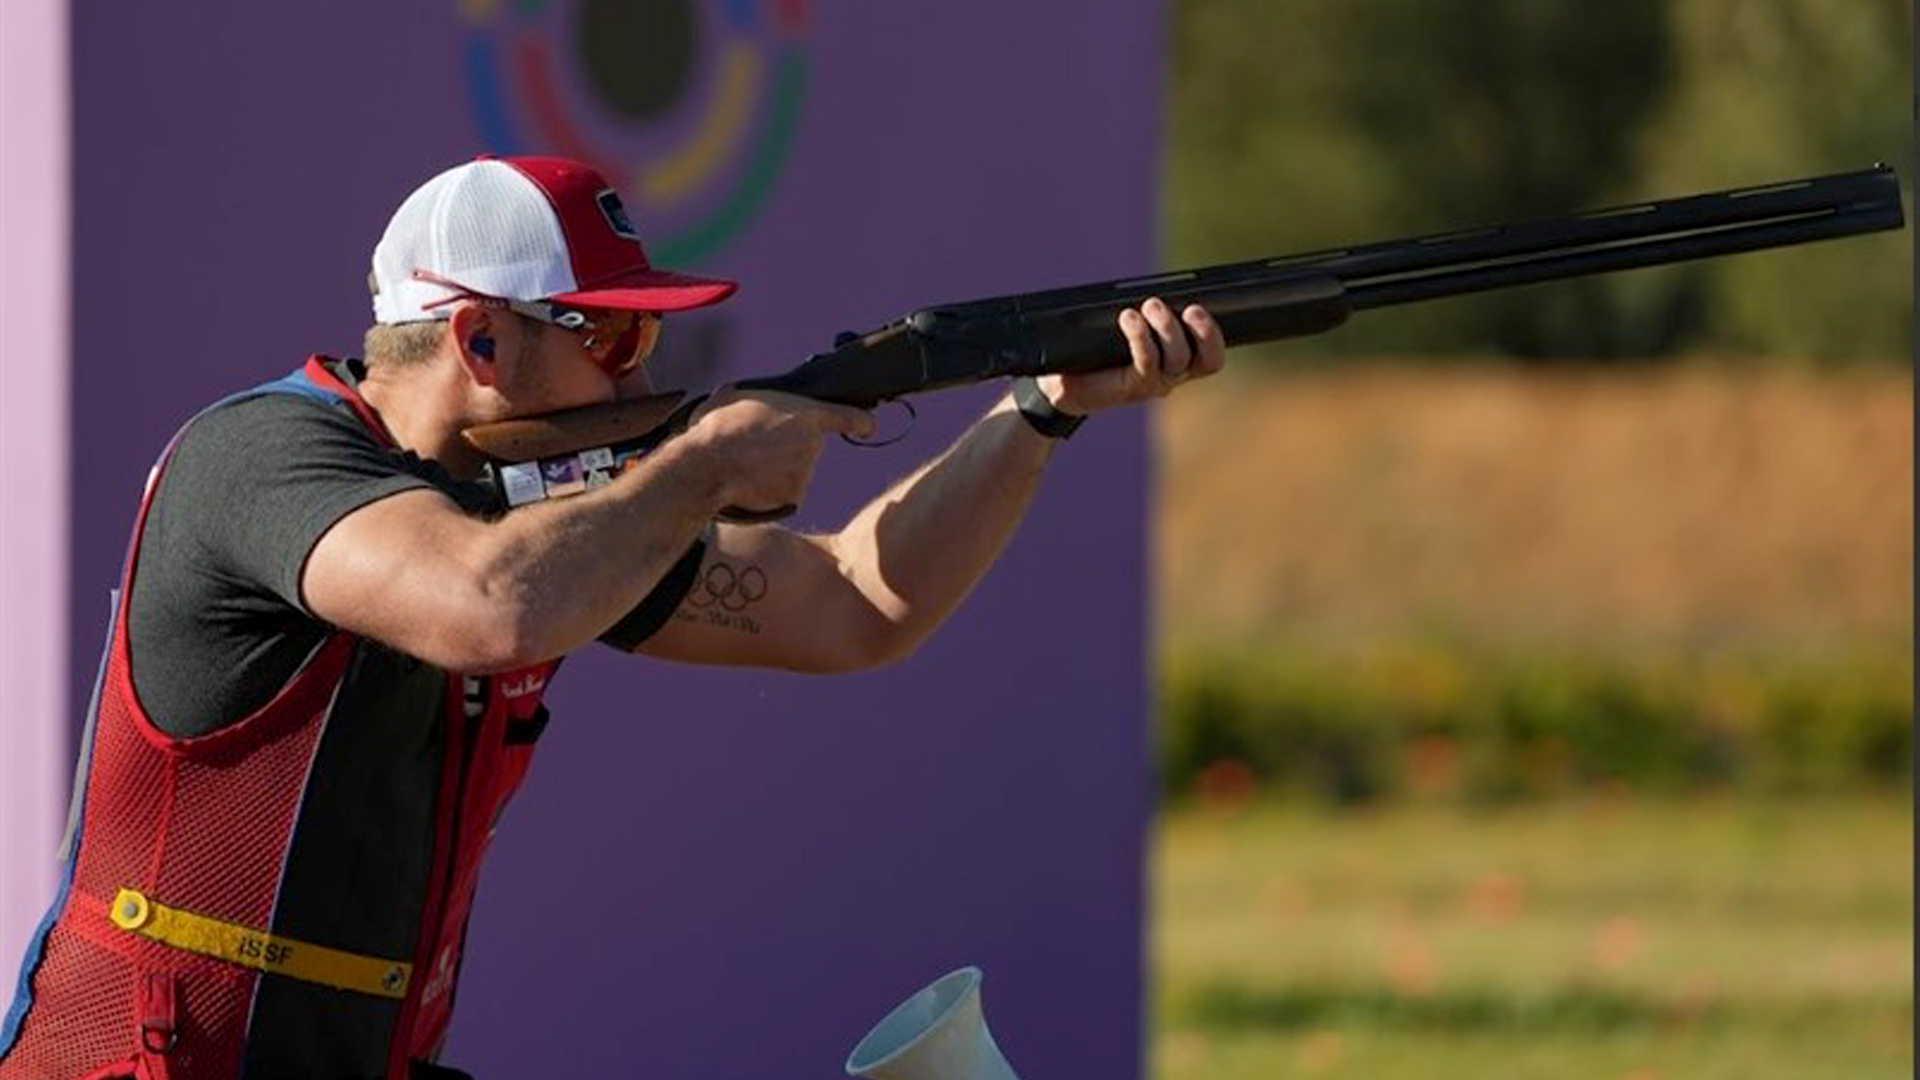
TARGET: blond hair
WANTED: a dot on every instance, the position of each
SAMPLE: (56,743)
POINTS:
(403,345)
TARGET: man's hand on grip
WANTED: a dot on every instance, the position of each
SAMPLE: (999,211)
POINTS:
(766,444)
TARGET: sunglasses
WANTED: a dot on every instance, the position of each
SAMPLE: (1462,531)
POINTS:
(611,337)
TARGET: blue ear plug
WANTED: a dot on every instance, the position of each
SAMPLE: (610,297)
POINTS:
(481,345)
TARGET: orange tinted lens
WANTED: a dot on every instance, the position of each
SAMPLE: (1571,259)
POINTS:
(614,341)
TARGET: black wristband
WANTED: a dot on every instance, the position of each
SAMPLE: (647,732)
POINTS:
(1038,412)
(653,611)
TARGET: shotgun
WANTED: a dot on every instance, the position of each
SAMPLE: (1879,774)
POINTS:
(1074,328)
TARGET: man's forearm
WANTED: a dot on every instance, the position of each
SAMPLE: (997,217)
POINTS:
(916,551)
(571,568)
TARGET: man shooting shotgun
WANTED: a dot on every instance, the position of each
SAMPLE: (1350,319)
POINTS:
(324,676)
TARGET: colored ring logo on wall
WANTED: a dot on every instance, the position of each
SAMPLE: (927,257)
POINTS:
(711,87)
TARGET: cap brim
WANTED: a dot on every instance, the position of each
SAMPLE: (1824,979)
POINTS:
(652,290)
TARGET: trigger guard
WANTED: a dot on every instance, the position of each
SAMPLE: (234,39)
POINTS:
(871,444)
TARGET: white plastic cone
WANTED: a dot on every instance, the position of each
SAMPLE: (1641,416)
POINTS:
(937,1034)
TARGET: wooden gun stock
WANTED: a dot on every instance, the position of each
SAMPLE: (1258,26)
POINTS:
(570,431)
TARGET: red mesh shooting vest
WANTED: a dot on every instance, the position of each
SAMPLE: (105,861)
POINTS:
(334,834)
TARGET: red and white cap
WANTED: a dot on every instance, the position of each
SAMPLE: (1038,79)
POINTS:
(522,228)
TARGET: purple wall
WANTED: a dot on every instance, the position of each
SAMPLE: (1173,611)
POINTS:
(710,873)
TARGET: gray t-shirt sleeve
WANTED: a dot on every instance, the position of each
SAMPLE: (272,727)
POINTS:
(247,493)
(270,475)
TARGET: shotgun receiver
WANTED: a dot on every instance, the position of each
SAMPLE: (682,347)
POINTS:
(1075,329)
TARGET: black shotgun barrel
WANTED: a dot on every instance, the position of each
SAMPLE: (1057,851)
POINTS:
(1618,238)
(1860,201)
(1072,329)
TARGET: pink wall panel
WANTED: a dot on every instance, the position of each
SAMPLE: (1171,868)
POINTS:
(34,199)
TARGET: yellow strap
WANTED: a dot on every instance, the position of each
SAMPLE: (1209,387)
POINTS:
(235,944)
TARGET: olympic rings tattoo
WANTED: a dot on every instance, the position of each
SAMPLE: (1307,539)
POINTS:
(732,590)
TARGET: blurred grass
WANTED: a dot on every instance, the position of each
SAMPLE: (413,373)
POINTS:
(1608,938)
(1536,723)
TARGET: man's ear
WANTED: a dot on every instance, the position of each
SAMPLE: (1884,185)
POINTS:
(472,327)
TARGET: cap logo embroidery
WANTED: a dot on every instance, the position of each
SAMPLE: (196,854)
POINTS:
(616,215)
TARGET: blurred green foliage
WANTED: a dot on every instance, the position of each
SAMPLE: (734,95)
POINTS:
(1458,723)
(1605,938)
(1310,124)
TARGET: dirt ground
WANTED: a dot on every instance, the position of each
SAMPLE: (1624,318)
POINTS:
(1712,502)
